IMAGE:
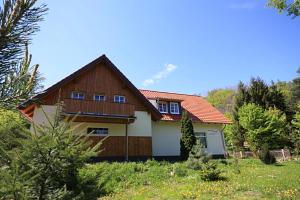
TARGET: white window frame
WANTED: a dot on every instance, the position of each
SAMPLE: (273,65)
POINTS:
(201,135)
(118,99)
(76,95)
(97,134)
(163,103)
(174,111)
(99,95)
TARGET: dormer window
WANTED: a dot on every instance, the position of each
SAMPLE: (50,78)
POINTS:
(99,97)
(174,108)
(163,107)
(77,95)
(119,99)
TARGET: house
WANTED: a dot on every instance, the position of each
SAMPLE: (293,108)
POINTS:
(139,123)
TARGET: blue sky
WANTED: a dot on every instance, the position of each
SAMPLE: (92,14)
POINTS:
(181,46)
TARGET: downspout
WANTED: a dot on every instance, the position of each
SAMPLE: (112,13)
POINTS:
(223,141)
(126,138)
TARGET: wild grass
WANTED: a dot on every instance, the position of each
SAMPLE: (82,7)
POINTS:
(164,180)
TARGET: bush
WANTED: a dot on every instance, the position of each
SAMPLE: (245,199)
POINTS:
(11,127)
(199,160)
(179,170)
(209,172)
(265,156)
(45,163)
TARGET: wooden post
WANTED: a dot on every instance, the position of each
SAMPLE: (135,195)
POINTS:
(283,155)
(126,141)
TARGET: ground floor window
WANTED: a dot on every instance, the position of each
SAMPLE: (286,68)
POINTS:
(98,131)
(202,139)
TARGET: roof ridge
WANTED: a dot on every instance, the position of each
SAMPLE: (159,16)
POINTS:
(194,95)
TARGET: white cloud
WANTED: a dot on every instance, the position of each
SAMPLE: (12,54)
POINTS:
(243,5)
(168,68)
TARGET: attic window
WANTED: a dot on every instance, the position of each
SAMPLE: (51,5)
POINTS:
(119,99)
(174,108)
(77,95)
(163,107)
(99,97)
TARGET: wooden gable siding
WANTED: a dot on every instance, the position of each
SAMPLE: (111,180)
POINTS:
(98,80)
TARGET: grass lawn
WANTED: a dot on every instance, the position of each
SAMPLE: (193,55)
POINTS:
(154,180)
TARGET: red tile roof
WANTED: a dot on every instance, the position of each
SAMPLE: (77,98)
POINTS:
(197,107)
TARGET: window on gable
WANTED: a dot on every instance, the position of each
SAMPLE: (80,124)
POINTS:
(77,95)
(163,107)
(119,99)
(201,137)
(174,108)
(98,131)
(99,97)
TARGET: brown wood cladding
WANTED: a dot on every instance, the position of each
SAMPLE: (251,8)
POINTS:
(98,80)
(97,107)
(115,145)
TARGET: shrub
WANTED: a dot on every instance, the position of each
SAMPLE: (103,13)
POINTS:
(197,157)
(265,156)
(188,139)
(45,163)
(236,166)
(209,172)
(11,126)
(199,160)
(179,170)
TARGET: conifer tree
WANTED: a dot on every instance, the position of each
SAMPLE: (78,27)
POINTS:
(46,161)
(18,22)
(188,139)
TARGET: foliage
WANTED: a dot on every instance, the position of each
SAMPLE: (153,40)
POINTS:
(295,89)
(261,94)
(256,181)
(11,126)
(197,157)
(291,7)
(235,133)
(179,170)
(107,178)
(262,126)
(19,21)
(265,156)
(188,138)
(199,160)
(236,165)
(45,164)
(210,172)
(222,99)
(295,136)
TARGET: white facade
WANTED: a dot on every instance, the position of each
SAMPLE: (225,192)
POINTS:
(165,134)
(42,119)
(166,138)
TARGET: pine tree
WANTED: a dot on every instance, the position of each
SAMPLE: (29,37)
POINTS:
(18,22)
(45,164)
(295,88)
(295,135)
(237,131)
(188,139)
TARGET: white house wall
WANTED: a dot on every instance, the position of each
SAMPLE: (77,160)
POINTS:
(166,138)
(141,126)
(113,129)
(39,117)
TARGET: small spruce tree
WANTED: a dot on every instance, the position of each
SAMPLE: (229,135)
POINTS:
(188,139)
